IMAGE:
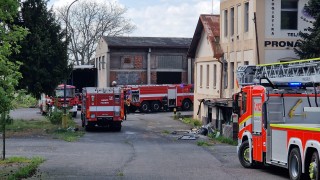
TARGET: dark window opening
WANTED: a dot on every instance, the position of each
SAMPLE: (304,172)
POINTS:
(168,77)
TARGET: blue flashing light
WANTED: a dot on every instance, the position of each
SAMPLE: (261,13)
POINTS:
(295,84)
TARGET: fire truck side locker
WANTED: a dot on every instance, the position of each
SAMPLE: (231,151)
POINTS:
(172,96)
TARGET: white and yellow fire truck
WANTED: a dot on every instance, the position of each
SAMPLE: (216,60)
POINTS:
(153,98)
(279,116)
(102,107)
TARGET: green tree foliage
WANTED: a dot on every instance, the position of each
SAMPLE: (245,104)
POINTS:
(44,51)
(310,41)
(10,35)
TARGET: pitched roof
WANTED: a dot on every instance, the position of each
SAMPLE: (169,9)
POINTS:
(211,25)
(147,42)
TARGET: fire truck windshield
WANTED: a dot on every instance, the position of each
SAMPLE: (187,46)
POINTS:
(69,93)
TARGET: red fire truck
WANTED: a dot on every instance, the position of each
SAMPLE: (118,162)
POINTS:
(278,115)
(156,97)
(102,107)
(48,103)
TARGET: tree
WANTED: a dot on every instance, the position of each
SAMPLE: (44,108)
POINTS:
(310,40)
(44,50)
(10,35)
(88,21)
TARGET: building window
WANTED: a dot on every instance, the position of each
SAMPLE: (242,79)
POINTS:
(127,62)
(214,76)
(99,62)
(246,17)
(207,76)
(246,62)
(232,22)
(225,23)
(225,75)
(232,74)
(239,19)
(289,14)
(103,63)
(170,62)
(200,75)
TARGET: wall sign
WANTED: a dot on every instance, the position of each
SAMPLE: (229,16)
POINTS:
(285,44)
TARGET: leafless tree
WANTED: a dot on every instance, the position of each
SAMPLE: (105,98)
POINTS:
(87,22)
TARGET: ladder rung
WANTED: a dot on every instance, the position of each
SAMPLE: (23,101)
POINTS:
(275,112)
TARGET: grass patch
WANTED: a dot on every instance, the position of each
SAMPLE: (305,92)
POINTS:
(68,135)
(203,143)
(192,122)
(222,139)
(120,174)
(19,167)
(165,132)
(43,128)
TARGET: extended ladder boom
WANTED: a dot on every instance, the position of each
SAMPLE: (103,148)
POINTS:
(300,71)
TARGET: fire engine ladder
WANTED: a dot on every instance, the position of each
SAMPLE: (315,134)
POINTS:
(300,71)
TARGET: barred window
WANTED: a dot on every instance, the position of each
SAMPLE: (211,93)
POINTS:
(170,62)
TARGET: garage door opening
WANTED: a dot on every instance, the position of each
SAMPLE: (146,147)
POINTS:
(168,77)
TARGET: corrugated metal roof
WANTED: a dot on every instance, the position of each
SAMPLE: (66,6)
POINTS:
(211,25)
(147,42)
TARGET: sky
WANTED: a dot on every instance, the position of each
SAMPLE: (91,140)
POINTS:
(162,18)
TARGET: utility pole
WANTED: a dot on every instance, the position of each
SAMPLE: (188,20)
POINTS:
(64,117)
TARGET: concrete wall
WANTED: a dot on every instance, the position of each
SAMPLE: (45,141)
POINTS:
(103,67)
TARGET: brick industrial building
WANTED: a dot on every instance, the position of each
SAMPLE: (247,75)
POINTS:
(143,60)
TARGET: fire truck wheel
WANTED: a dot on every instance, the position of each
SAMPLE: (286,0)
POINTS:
(244,155)
(186,104)
(117,128)
(295,168)
(155,106)
(313,168)
(88,127)
(74,114)
(144,107)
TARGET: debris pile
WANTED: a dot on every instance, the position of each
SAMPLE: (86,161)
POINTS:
(194,133)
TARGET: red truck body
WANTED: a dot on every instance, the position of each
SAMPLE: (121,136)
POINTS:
(277,109)
(47,103)
(154,98)
(102,107)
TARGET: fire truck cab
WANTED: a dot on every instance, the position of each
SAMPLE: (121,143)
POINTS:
(71,99)
(102,107)
(278,116)
(47,104)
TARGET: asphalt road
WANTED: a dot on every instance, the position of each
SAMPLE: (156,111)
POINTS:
(140,151)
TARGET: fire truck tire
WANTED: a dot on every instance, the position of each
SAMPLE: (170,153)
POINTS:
(155,106)
(313,166)
(186,105)
(88,127)
(74,114)
(295,167)
(132,109)
(244,155)
(145,106)
(117,128)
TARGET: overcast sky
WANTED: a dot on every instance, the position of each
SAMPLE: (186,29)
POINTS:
(162,18)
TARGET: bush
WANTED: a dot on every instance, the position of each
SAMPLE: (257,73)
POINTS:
(55,117)
(22,99)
